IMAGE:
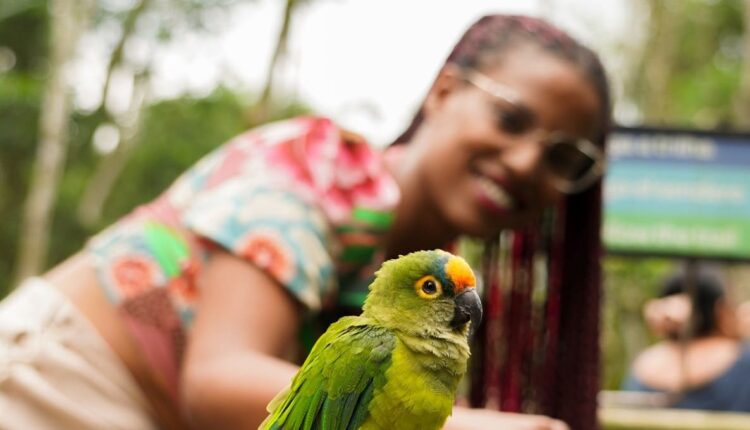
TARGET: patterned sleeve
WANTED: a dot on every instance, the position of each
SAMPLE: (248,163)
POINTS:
(274,228)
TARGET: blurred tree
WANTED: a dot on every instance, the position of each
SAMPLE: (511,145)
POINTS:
(69,19)
(689,73)
(159,139)
(264,106)
(157,22)
(23,43)
(110,165)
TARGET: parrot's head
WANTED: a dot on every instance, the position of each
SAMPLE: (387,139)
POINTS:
(425,293)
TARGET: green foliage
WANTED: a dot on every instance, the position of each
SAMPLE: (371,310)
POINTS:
(20,97)
(708,62)
(690,73)
(24,29)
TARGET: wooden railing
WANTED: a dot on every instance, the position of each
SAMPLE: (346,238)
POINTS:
(619,418)
(630,410)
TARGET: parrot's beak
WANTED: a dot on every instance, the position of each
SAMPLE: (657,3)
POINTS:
(468,308)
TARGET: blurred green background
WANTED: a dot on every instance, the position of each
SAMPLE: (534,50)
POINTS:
(688,68)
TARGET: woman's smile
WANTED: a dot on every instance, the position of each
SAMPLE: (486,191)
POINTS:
(493,196)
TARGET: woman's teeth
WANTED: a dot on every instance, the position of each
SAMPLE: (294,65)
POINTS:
(496,194)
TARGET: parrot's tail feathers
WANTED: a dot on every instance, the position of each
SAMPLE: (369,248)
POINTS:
(313,416)
(361,409)
(278,400)
(272,409)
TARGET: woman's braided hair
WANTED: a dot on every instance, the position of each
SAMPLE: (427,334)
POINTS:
(549,360)
(492,37)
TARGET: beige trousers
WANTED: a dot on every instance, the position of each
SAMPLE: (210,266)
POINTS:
(56,372)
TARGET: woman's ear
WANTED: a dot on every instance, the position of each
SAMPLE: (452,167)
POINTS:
(446,82)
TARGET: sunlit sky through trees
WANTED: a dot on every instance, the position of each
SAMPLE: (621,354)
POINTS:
(367,63)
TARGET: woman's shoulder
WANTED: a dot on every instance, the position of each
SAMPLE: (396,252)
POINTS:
(311,156)
(312,148)
(308,130)
(339,167)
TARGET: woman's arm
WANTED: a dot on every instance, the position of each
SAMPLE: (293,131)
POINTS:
(480,419)
(244,324)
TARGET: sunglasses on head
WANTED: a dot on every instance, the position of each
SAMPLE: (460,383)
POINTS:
(574,163)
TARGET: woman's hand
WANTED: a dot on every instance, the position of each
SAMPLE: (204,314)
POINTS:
(481,419)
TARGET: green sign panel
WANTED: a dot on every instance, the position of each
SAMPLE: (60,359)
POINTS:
(678,193)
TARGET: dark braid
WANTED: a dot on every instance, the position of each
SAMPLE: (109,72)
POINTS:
(559,362)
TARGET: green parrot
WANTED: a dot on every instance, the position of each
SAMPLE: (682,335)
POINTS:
(398,364)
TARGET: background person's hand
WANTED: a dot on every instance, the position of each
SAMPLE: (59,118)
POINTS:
(669,316)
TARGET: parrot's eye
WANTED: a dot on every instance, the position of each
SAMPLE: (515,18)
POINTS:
(428,287)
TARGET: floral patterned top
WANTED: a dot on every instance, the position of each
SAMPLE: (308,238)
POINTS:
(301,199)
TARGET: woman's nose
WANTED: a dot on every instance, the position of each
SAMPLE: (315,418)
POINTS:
(525,157)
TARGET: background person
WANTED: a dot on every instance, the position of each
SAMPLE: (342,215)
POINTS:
(700,363)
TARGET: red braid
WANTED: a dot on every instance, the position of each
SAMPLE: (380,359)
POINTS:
(574,395)
(541,354)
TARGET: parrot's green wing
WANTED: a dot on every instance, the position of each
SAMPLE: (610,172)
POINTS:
(334,388)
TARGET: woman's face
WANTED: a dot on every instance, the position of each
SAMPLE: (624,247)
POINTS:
(480,162)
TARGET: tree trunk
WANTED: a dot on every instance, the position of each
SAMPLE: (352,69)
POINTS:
(68,18)
(260,113)
(657,64)
(116,58)
(111,165)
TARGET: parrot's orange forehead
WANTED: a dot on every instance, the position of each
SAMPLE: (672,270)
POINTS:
(460,273)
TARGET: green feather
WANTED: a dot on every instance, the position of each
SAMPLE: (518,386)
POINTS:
(335,385)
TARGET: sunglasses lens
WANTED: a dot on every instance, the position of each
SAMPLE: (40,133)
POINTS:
(568,162)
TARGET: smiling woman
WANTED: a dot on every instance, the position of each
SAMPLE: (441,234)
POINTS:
(511,92)
(278,232)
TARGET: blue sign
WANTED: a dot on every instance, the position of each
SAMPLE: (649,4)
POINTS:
(679,193)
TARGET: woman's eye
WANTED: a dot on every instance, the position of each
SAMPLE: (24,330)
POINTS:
(513,120)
